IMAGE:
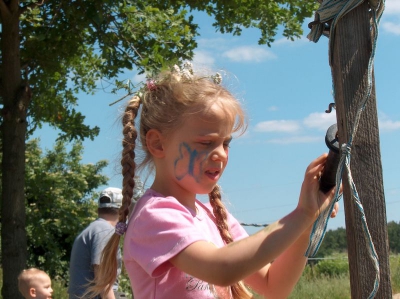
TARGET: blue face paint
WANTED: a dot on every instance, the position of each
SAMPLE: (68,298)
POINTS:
(185,163)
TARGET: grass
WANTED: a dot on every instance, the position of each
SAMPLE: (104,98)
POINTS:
(327,280)
(330,280)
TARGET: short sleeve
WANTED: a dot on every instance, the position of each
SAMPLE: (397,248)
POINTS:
(236,229)
(161,229)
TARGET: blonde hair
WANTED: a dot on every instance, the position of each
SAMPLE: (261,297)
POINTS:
(27,278)
(165,104)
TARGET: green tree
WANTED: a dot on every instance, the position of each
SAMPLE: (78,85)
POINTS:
(393,229)
(51,50)
(60,202)
(334,241)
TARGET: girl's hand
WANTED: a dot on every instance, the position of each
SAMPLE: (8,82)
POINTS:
(313,201)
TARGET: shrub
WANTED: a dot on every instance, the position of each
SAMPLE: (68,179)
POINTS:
(332,267)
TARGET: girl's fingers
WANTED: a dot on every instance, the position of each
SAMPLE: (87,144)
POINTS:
(335,210)
(316,167)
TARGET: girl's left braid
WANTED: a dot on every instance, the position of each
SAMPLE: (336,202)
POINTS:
(220,214)
(239,290)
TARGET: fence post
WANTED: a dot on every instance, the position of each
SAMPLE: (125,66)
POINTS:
(350,55)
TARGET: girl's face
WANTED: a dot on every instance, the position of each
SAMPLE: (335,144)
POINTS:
(196,153)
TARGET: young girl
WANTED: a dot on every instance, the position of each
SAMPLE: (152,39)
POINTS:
(177,247)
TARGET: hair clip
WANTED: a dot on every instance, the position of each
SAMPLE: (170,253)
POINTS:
(151,85)
(120,228)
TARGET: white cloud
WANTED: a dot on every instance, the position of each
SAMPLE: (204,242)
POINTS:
(212,43)
(203,59)
(392,7)
(391,27)
(249,54)
(273,108)
(320,121)
(295,139)
(386,124)
(286,126)
(389,125)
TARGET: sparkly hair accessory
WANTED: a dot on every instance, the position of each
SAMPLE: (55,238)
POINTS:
(217,78)
(120,228)
(187,74)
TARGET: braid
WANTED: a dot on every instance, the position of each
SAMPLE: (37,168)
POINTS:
(107,272)
(239,290)
(220,214)
(128,156)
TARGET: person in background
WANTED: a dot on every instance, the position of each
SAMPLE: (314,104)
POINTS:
(89,244)
(35,283)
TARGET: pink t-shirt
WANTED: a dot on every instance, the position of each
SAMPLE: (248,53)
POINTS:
(159,228)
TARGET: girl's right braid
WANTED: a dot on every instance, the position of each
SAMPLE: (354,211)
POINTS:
(107,272)
(238,290)
(128,155)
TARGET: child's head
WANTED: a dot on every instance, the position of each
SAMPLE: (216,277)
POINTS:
(170,99)
(35,283)
(166,102)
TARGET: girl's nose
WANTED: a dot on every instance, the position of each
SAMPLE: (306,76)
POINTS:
(220,153)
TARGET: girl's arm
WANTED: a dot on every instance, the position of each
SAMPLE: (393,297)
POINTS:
(283,242)
(277,279)
(236,261)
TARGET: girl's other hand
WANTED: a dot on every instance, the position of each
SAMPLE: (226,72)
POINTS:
(335,210)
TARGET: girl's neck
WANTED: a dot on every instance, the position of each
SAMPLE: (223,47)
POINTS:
(185,198)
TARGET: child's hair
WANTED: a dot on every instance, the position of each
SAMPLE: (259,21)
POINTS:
(166,102)
(26,279)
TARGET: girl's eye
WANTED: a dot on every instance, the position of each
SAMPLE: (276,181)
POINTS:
(205,143)
(228,142)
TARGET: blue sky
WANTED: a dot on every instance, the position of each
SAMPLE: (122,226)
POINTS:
(285,90)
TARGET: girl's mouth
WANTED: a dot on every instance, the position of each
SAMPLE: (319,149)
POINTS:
(213,174)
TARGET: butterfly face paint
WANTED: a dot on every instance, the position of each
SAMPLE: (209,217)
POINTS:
(189,162)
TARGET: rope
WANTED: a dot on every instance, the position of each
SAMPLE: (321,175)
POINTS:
(254,224)
(330,11)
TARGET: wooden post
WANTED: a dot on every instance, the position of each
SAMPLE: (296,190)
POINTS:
(351,52)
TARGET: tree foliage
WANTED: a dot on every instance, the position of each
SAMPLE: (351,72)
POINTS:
(67,47)
(336,240)
(60,202)
(267,16)
(393,229)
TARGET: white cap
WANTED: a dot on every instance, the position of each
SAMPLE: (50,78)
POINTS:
(110,198)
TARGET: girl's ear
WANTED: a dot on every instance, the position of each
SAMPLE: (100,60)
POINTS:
(154,144)
(32,292)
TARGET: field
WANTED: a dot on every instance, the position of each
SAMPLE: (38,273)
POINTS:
(328,279)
